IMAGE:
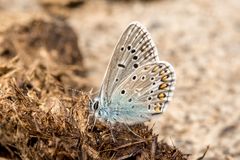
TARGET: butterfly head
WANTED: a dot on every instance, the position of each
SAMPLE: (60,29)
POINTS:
(98,110)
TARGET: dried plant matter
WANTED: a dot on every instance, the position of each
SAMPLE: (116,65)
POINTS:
(57,128)
(49,123)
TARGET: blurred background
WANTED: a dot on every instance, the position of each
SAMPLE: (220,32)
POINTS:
(200,38)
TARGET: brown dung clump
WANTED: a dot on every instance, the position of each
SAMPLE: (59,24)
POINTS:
(40,119)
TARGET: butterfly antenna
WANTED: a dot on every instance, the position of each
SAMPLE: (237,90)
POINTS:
(90,99)
(93,93)
(69,89)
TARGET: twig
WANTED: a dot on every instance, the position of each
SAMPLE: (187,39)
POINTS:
(124,146)
(153,149)
(201,158)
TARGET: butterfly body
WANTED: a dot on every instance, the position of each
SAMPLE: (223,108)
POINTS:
(137,85)
(121,113)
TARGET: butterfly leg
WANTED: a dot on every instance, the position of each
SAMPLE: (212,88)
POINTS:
(88,122)
(132,131)
(111,130)
(95,119)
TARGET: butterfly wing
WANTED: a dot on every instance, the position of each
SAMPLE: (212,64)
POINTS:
(144,93)
(134,49)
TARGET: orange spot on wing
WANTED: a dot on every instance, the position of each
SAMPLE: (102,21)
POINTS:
(164,78)
(161,96)
(162,72)
(157,109)
(163,86)
(155,69)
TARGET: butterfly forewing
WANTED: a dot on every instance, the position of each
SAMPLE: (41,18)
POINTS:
(134,49)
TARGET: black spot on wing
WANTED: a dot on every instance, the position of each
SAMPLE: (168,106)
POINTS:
(121,65)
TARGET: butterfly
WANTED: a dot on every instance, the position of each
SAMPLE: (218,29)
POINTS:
(137,85)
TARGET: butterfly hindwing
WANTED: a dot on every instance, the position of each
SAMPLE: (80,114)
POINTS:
(145,92)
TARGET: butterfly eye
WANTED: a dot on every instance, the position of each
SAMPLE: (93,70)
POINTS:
(96,105)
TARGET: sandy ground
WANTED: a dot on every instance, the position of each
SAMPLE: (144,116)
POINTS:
(201,39)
